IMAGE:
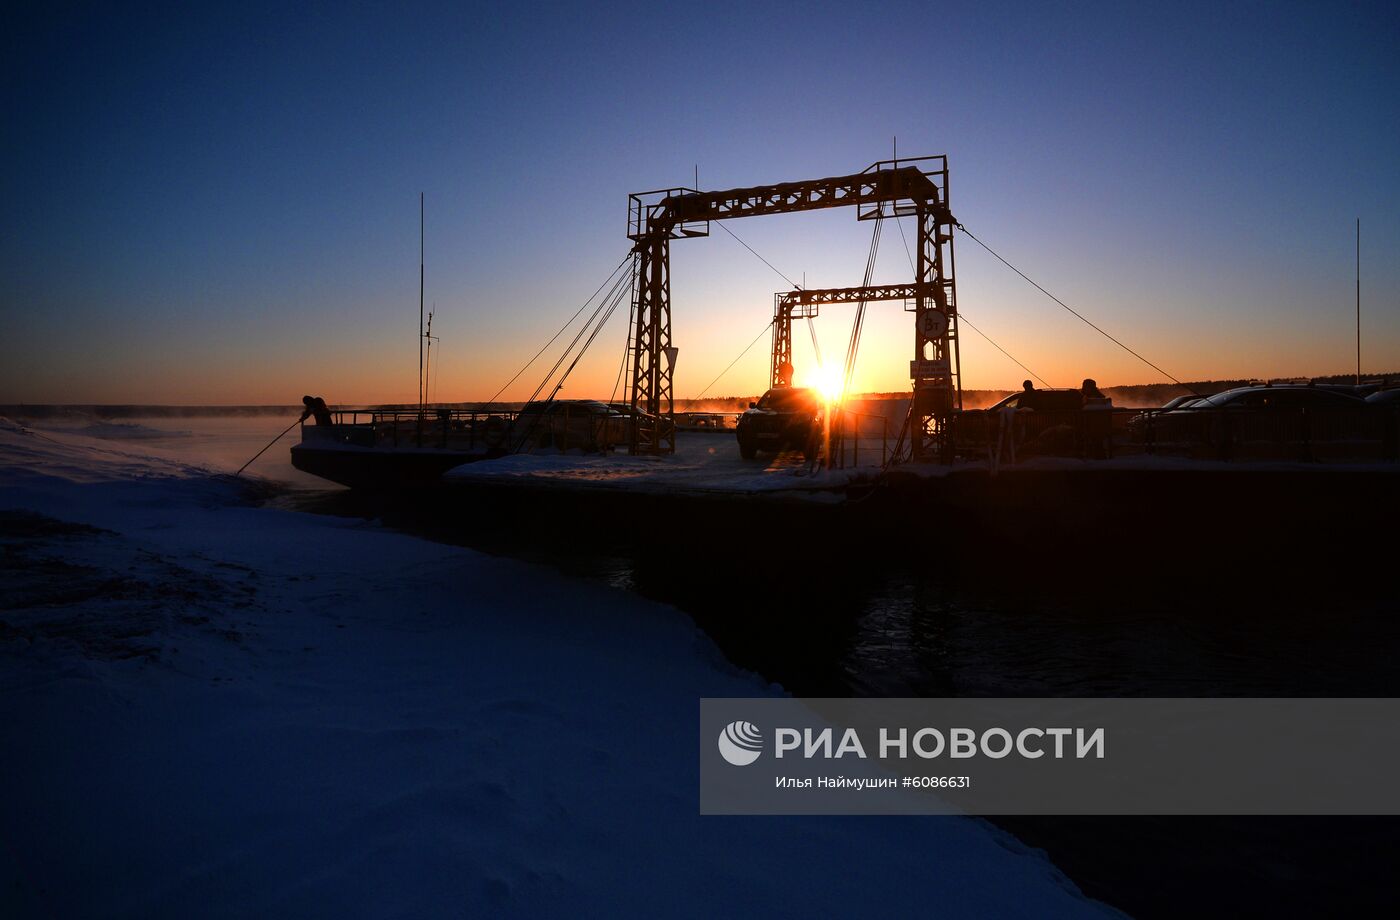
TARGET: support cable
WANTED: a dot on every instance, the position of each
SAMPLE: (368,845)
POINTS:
(597,328)
(852,349)
(1075,312)
(560,332)
(795,285)
(962,317)
(603,304)
(606,307)
(857,324)
(622,365)
(734,362)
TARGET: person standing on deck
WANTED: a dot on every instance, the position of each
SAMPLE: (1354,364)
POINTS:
(1097,428)
(316,406)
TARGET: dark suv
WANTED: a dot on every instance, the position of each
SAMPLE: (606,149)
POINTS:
(786,417)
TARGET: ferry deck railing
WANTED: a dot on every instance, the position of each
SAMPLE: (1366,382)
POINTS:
(851,428)
(1362,433)
(439,428)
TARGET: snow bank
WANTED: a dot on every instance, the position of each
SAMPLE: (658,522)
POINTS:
(289,715)
(127,431)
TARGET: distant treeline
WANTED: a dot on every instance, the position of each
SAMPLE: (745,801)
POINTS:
(1141,395)
(29,410)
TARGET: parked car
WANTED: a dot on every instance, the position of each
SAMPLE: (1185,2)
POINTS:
(1140,424)
(586,424)
(785,418)
(1039,401)
(1279,397)
(1045,422)
(704,421)
(1288,420)
(1390,399)
(1181,402)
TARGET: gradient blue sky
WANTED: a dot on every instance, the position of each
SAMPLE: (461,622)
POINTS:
(222,206)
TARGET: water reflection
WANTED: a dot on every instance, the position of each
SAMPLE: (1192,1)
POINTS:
(829,618)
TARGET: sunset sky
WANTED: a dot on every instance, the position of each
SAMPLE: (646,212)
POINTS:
(223,207)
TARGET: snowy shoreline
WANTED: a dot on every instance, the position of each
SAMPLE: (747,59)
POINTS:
(314,716)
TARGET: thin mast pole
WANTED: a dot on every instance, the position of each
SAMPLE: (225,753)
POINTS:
(1358,301)
(420,303)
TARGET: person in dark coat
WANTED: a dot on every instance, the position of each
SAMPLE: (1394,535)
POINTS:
(1097,426)
(316,407)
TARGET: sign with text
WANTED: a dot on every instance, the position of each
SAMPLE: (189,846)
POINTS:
(1050,756)
(929,368)
(933,324)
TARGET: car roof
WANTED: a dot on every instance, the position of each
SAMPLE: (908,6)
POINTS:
(1051,392)
(1284,388)
(570,402)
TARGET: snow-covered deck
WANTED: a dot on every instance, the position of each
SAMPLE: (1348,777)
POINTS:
(709,464)
(704,462)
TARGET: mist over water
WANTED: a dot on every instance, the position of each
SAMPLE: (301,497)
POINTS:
(219,443)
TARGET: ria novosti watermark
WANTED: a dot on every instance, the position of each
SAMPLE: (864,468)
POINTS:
(741,743)
(1050,756)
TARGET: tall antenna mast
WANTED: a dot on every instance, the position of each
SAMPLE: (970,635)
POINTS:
(1358,301)
(420,303)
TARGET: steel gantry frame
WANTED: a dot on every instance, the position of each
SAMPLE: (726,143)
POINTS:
(904,187)
(803,304)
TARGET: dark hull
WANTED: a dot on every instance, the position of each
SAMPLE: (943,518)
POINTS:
(379,467)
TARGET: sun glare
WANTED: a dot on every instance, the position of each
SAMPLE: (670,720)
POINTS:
(828,381)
